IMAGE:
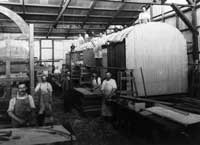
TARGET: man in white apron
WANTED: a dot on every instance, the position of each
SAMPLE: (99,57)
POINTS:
(108,88)
(44,91)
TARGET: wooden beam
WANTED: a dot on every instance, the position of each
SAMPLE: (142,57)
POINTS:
(184,18)
(52,41)
(31,55)
(68,22)
(15,29)
(29,14)
(17,19)
(156,18)
(189,2)
(177,22)
(50,8)
(65,5)
(8,60)
(149,2)
(195,35)
(89,12)
(151,12)
(40,55)
(23,6)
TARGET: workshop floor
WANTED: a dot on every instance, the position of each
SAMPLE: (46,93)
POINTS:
(95,131)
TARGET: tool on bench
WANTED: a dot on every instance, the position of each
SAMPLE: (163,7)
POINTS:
(53,131)
(7,135)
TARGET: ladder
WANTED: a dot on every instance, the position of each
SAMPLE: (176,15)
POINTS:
(127,84)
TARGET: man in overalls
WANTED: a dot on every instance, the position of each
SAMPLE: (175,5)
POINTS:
(108,89)
(44,91)
(21,108)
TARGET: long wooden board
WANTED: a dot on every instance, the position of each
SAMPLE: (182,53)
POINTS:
(182,118)
(34,136)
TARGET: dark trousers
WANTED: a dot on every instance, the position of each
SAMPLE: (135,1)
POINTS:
(67,101)
(40,119)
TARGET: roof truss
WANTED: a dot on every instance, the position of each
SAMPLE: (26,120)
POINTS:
(73,17)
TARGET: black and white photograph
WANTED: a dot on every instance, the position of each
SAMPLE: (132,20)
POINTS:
(99,72)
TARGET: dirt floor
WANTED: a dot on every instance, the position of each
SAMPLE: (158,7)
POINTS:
(93,130)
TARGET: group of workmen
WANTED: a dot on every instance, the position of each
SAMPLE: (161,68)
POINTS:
(25,110)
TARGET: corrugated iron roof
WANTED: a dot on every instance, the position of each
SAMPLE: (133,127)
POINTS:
(79,16)
(72,17)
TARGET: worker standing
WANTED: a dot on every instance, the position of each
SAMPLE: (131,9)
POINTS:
(67,92)
(96,82)
(108,89)
(21,108)
(144,16)
(44,91)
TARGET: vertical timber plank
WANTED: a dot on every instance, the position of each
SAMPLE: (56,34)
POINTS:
(195,35)
(151,12)
(8,55)
(52,53)
(31,57)
(177,22)
(40,59)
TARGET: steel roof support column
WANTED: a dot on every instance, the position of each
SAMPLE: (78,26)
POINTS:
(195,35)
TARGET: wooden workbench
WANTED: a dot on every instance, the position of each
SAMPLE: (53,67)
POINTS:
(35,136)
(90,101)
(156,119)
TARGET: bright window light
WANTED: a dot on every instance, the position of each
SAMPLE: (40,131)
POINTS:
(177,1)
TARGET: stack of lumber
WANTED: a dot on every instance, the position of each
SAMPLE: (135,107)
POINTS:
(184,103)
(175,115)
(187,104)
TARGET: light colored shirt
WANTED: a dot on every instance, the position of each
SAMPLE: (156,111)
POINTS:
(13,101)
(45,72)
(108,86)
(144,17)
(45,87)
(96,82)
(57,71)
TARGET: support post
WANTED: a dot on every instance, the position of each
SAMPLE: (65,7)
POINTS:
(40,55)
(8,55)
(177,22)
(184,18)
(31,58)
(195,35)
(52,53)
(151,12)
(163,14)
